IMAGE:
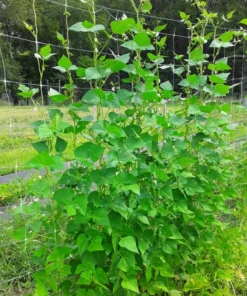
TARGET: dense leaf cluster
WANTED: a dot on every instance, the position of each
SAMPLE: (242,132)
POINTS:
(138,212)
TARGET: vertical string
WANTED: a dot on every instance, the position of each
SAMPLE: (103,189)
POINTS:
(242,78)
(174,61)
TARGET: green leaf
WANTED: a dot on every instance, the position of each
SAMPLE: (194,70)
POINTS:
(170,247)
(166,85)
(218,44)
(131,45)
(173,232)
(92,73)
(143,41)
(115,65)
(116,131)
(130,283)
(89,151)
(143,219)
(81,72)
(222,89)
(134,188)
(227,36)
(150,96)
(160,28)
(129,243)
(61,38)
(26,91)
(127,261)
(100,276)
(143,246)
(122,26)
(86,27)
(100,127)
(220,65)
(64,62)
(119,206)
(194,81)
(80,202)
(184,16)
(192,187)
(41,189)
(124,58)
(70,210)
(230,14)
(40,146)
(82,243)
(197,55)
(94,96)
(63,196)
(20,234)
(100,217)
(61,145)
(45,52)
(196,283)
(244,22)
(165,270)
(147,7)
(46,279)
(41,161)
(91,293)
(56,97)
(216,79)
(95,245)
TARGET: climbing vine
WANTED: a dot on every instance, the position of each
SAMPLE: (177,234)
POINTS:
(138,212)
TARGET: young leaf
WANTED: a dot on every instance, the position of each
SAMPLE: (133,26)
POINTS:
(244,22)
(143,41)
(45,50)
(92,73)
(134,188)
(184,16)
(147,6)
(100,277)
(80,203)
(61,145)
(100,217)
(130,283)
(131,45)
(89,151)
(95,245)
(82,243)
(63,196)
(230,14)
(20,234)
(197,55)
(64,62)
(86,27)
(41,161)
(129,243)
(122,26)
(227,36)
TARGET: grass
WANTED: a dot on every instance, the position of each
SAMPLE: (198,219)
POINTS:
(15,141)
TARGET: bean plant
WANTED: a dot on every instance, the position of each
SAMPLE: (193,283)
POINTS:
(140,210)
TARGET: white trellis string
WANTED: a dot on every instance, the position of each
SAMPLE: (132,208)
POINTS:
(53,45)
